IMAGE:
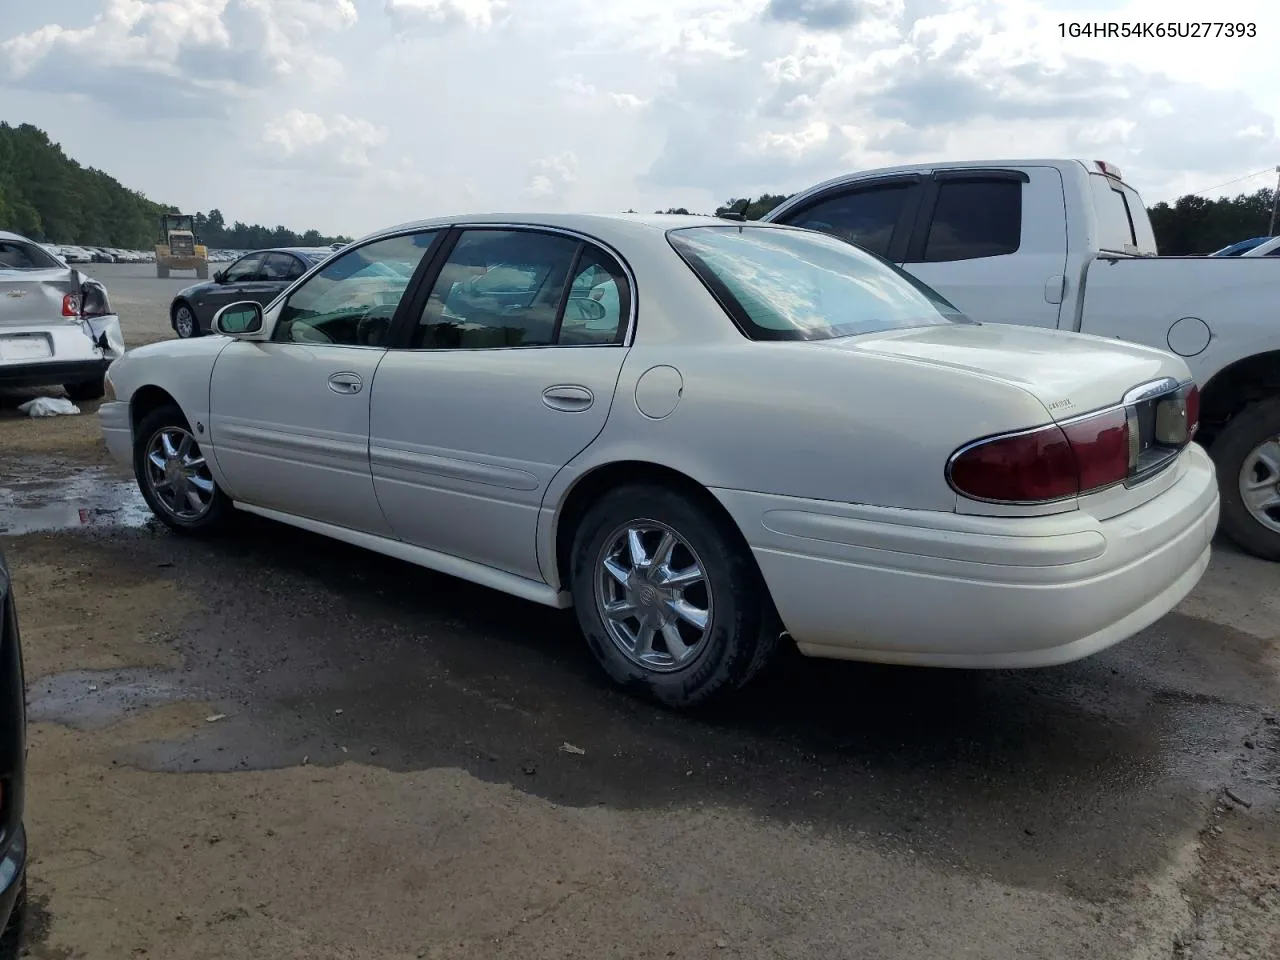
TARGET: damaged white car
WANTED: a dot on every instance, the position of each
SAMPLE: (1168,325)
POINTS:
(56,324)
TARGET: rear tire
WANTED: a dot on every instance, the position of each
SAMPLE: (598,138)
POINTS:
(202,272)
(173,476)
(87,390)
(698,570)
(1235,453)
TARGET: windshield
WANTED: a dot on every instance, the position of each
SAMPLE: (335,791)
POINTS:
(783,284)
(20,255)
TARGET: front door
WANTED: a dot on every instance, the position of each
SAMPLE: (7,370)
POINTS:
(505,375)
(289,418)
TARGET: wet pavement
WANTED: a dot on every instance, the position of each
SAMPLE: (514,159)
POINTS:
(1062,812)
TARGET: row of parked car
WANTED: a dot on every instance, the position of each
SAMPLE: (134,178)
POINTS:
(1253,247)
(70,253)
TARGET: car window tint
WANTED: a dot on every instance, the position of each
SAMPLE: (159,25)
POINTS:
(15,255)
(247,268)
(866,217)
(282,266)
(975,219)
(498,288)
(353,299)
(599,302)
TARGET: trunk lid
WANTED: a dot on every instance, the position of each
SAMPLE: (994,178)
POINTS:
(35,296)
(1071,374)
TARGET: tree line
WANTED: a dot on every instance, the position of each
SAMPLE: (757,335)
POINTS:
(1191,225)
(47,196)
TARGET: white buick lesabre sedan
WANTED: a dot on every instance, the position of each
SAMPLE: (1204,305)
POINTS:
(703,436)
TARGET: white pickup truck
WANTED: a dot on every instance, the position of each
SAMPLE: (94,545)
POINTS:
(1068,244)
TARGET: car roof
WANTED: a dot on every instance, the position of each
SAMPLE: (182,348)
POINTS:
(607,227)
(6,235)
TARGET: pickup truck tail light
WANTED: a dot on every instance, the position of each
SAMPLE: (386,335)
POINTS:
(1123,444)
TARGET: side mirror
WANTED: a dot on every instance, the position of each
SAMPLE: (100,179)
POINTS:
(219,276)
(243,320)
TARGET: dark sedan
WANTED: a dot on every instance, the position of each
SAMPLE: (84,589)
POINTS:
(262,276)
(13,762)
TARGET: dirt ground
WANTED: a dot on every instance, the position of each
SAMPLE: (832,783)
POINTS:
(270,745)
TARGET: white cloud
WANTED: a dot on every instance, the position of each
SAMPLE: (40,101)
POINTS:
(550,175)
(444,14)
(339,140)
(434,106)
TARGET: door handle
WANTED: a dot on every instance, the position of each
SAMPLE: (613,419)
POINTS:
(568,398)
(345,383)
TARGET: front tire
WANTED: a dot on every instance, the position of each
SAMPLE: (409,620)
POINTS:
(1246,454)
(669,597)
(173,475)
(162,271)
(185,324)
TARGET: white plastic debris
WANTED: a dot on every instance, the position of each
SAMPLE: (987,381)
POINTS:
(567,747)
(215,717)
(48,407)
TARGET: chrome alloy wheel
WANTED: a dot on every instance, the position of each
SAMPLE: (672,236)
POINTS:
(653,596)
(184,322)
(1260,483)
(178,475)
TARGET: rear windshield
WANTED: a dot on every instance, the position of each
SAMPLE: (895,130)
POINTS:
(783,284)
(19,255)
(1123,223)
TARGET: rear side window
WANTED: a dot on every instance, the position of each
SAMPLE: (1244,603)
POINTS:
(17,255)
(779,284)
(974,219)
(866,217)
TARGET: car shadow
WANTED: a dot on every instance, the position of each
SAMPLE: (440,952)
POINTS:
(336,654)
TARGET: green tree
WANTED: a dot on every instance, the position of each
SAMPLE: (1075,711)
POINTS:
(46,195)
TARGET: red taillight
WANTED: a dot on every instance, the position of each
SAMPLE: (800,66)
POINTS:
(1051,463)
(1124,444)
(1025,467)
(71,305)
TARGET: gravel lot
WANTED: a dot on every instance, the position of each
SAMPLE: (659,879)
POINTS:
(271,745)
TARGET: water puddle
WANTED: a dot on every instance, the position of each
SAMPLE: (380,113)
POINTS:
(90,699)
(41,495)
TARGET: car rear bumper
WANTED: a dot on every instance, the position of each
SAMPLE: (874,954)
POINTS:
(117,430)
(903,586)
(36,354)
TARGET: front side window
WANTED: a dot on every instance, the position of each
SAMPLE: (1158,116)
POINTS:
(867,217)
(353,299)
(975,219)
(779,284)
(523,288)
(245,269)
(17,255)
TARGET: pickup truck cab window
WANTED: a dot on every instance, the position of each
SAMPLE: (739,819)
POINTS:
(973,219)
(871,216)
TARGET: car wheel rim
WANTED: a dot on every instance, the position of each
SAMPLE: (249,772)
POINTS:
(177,474)
(653,595)
(1260,483)
(185,325)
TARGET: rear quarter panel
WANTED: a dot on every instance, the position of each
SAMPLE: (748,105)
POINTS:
(1237,300)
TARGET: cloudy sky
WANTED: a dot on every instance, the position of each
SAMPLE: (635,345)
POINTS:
(347,115)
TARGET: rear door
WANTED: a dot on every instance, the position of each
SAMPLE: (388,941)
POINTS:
(504,373)
(994,243)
